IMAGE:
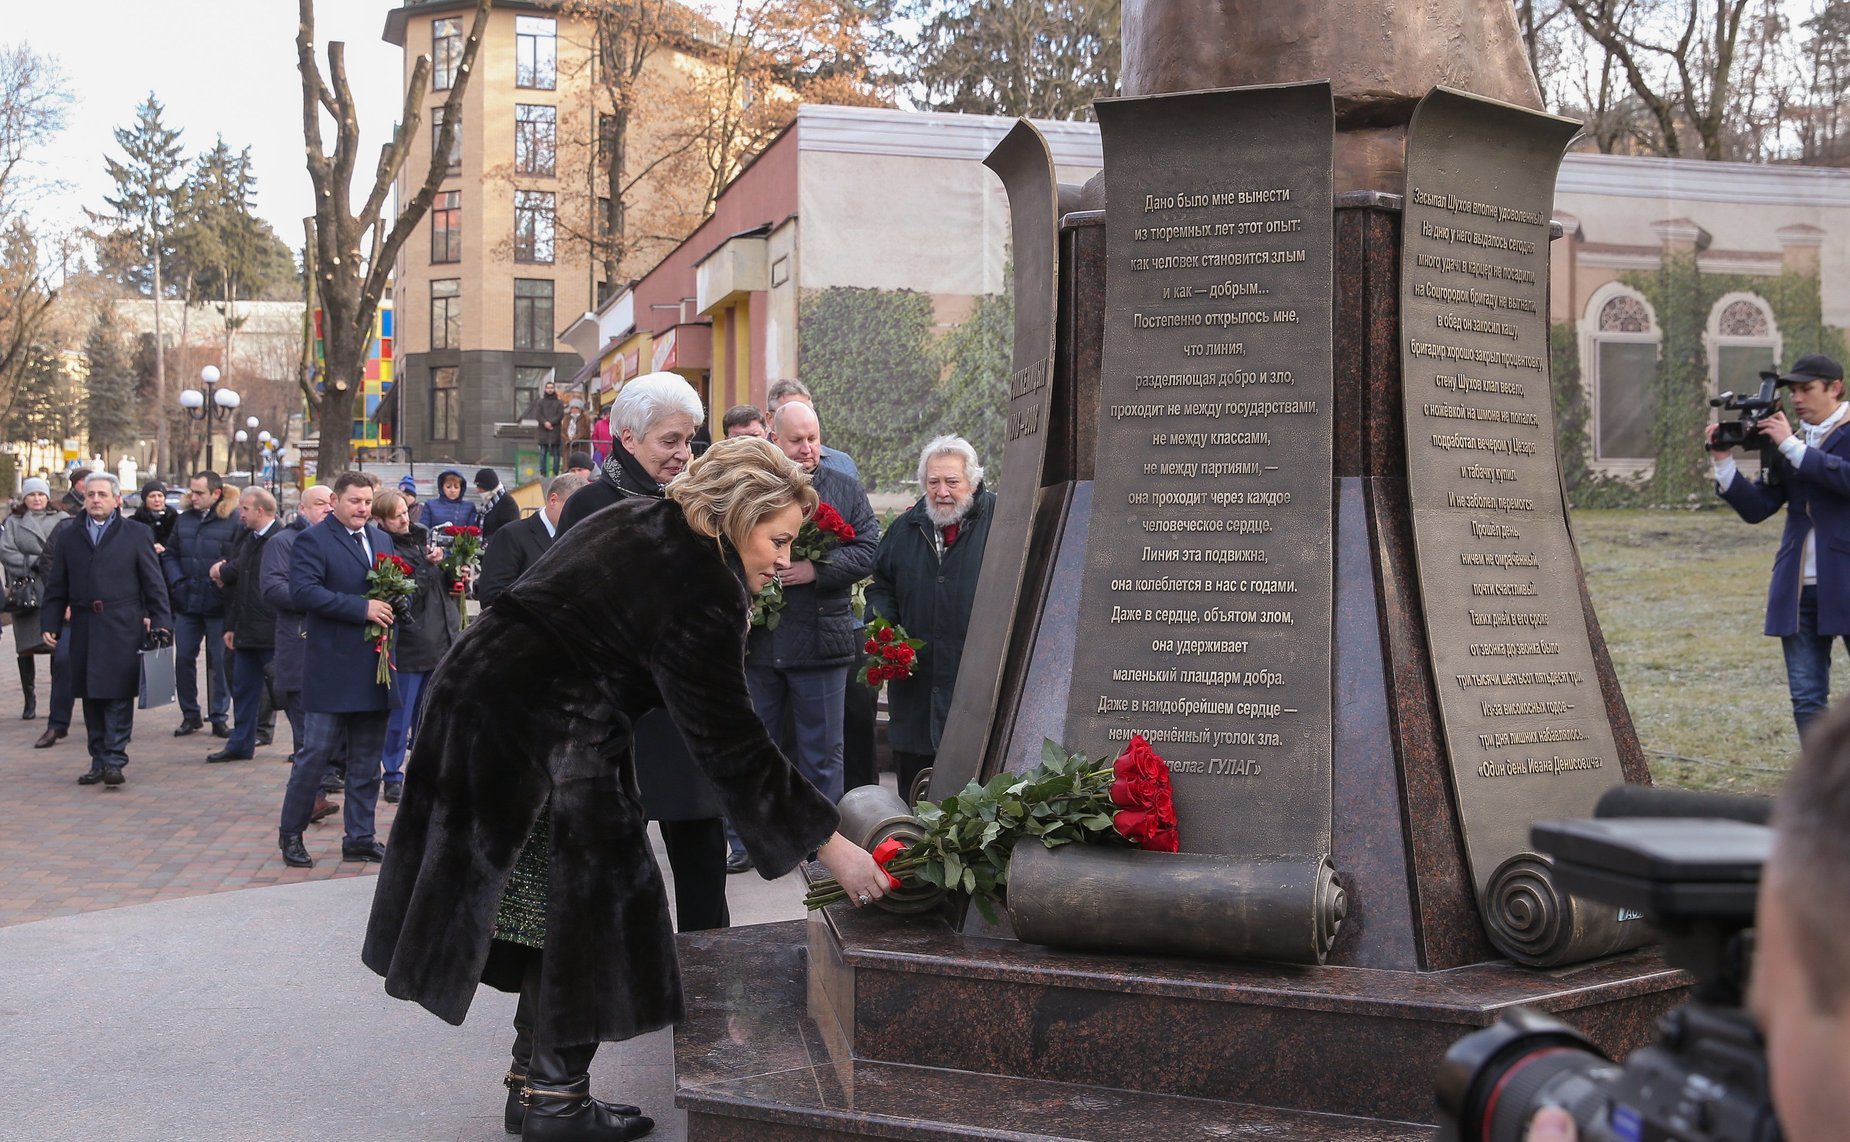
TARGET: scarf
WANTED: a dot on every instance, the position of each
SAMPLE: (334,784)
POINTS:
(622,470)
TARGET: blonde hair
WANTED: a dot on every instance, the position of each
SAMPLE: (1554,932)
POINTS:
(735,484)
(386,502)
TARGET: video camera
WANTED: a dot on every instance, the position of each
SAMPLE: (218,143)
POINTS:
(1705,1078)
(1744,430)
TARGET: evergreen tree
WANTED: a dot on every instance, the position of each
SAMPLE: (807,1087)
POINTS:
(111,398)
(992,57)
(146,179)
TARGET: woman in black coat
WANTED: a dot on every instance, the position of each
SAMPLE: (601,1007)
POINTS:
(520,856)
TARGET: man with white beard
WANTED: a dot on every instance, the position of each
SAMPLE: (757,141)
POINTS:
(925,581)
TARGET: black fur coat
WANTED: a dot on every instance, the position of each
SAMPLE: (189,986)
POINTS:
(534,704)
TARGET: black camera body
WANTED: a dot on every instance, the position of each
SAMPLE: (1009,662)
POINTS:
(1705,1078)
(1744,431)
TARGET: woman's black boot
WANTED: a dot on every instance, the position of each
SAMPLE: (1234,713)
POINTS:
(27,671)
(559,1103)
(516,1081)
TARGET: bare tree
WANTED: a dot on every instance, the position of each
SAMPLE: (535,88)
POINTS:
(1678,58)
(350,280)
(33,100)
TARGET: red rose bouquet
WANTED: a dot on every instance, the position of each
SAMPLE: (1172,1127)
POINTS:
(891,655)
(390,581)
(1066,799)
(821,533)
(462,558)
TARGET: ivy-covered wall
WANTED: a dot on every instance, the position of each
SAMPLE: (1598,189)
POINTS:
(887,383)
(1683,297)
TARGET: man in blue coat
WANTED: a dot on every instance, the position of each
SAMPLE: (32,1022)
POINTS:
(104,569)
(1808,603)
(344,711)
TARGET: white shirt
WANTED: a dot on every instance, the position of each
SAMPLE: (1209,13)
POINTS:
(552,529)
(365,545)
(1793,449)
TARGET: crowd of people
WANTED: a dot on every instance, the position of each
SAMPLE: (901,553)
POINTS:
(281,606)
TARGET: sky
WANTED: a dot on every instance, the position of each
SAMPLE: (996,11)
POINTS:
(219,67)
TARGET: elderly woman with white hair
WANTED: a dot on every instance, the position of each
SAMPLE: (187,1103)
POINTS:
(653,422)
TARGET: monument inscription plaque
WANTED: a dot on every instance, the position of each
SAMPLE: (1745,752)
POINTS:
(1207,591)
(1525,725)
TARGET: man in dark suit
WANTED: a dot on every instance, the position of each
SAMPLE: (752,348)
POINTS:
(344,712)
(497,507)
(521,544)
(104,569)
(250,623)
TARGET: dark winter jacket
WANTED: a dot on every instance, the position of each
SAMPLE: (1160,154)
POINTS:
(327,581)
(161,524)
(1816,496)
(110,589)
(440,509)
(498,515)
(533,709)
(931,597)
(546,410)
(432,623)
(518,548)
(672,787)
(199,540)
(291,629)
(247,615)
(817,627)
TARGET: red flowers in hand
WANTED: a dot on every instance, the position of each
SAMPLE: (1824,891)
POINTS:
(890,653)
(827,519)
(1145,799)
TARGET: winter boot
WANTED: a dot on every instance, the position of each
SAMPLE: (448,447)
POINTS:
(559,1103)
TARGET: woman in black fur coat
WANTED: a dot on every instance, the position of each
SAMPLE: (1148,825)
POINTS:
(519,857)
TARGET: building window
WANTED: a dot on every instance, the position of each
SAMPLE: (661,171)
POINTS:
(527,382)
(1743,340)
(535,52)
(1623,359)
(444,421)
(535,133)
(446,313)
(445,52)
(446,227)
(436,130)
(532,314)
(533,226)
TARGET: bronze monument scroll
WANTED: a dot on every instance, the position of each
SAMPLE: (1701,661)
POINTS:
(1205,609)
(980,706)
(1525,725)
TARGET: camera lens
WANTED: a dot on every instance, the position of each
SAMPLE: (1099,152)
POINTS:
(1493,1081)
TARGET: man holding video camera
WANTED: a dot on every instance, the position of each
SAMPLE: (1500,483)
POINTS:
(1799,994)
(1808,471)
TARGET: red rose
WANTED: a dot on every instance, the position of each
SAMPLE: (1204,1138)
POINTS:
(886,652)
(884,634)
(871,647)
(1146,829)
(906,653)
(1139,792)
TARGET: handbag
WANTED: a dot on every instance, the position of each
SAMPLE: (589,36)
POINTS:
(157,672)
(22,596)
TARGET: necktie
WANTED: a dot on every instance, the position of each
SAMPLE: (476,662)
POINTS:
(359,537)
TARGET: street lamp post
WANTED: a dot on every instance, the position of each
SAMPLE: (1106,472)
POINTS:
(209,404)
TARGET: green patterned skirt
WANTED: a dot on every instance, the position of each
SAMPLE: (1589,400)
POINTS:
(521,918)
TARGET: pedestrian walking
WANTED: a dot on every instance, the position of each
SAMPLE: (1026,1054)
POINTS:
(106,572)
(201,537)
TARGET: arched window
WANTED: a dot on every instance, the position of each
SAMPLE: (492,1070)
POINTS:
(1743,339)
(1622,345)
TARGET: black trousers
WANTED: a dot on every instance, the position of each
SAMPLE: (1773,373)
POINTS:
(909,766)
(107,723)
(858,762)
(697,854)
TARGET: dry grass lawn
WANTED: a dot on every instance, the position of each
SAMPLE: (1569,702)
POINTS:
(1682,598)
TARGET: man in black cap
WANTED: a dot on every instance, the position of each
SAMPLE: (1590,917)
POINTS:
(498,508)
(1808,603)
